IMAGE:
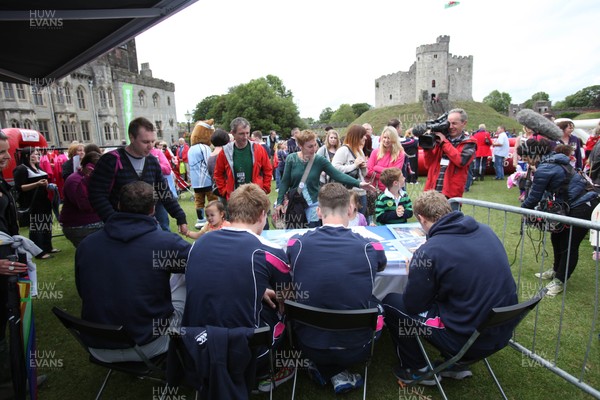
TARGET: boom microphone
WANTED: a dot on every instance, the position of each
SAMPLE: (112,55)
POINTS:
(539,124)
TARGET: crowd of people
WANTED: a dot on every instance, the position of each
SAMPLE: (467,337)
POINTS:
(120,202)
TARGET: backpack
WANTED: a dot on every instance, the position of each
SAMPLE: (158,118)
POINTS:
(573,178)
(118,166)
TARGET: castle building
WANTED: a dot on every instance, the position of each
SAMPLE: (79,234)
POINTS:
(435,72)
(93,104)
(540,106)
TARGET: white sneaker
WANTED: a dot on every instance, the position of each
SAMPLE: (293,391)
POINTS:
(200,223)
(549,274)
(281,376)
(554,287)
(345,381)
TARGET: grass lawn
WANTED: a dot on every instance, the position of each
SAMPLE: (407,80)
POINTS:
(73,377)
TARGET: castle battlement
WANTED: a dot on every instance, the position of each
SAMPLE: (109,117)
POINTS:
(460,57)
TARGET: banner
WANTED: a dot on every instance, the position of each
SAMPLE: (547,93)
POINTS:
(127,108)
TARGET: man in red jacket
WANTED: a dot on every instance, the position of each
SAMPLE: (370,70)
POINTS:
(484,150)
(448,161)
(242,161)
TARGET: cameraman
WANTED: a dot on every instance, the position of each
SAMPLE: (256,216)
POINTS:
(448,161)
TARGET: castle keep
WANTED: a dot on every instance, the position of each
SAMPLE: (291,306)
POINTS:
(435,71)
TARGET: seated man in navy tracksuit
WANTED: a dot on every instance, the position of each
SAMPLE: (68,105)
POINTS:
(334,268)
(455,278)
(232,273)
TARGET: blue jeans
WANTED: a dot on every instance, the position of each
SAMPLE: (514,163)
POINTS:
(480,163)
(499,167)
(469,176)
(161,215)
(277,177)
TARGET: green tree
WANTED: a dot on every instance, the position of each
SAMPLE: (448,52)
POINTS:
(360,108)
(309,121)
(539,96)
(278,86)
(325,115)
(499,101)
(265,103)
(210,107)
(586,97)
(344,114)
(206,108)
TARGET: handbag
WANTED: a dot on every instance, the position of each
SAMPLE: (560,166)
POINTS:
(372,196)
(355,172)
(23,212)
(295,215)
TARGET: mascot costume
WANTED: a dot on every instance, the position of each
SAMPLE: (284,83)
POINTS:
(198,160)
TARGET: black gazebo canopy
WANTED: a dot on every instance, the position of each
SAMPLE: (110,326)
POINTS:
(45,40)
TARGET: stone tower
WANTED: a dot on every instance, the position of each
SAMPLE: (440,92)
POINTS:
(435,71)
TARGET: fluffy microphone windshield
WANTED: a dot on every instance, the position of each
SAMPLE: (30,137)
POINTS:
(539,124)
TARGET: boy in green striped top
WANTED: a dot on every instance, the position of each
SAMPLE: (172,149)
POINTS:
(393,206)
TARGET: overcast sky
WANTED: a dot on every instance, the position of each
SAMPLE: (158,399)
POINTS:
(329,52)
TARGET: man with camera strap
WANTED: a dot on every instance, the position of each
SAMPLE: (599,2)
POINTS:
(448,160)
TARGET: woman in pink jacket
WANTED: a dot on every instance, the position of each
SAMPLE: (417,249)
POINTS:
(390,154)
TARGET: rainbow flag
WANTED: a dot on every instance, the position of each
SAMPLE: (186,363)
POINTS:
(28,335)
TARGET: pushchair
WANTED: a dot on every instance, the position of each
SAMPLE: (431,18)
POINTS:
(182,185)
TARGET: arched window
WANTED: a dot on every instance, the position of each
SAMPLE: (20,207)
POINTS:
(27,124)
(107,134)
(64,129)
(142,98)
(85,130)
(109,93)
(390,96)
(103,98)
(68,94)
(168,100)
(155,100)
(115,130)
(433,83)
(158,126)
(81,97)
(14,123)
(73,131)
(60,95)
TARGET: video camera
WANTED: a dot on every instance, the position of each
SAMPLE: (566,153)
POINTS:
(427,140)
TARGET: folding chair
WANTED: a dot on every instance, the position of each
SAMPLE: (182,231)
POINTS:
(263,337)
(145,368)
(332,320)
(186,370)
(497,317)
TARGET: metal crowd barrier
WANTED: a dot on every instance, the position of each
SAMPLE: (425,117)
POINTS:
(541,339)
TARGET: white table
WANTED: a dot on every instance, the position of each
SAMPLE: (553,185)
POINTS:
(393,278)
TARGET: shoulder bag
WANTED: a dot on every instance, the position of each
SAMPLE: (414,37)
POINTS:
(355,172)
(295,212)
